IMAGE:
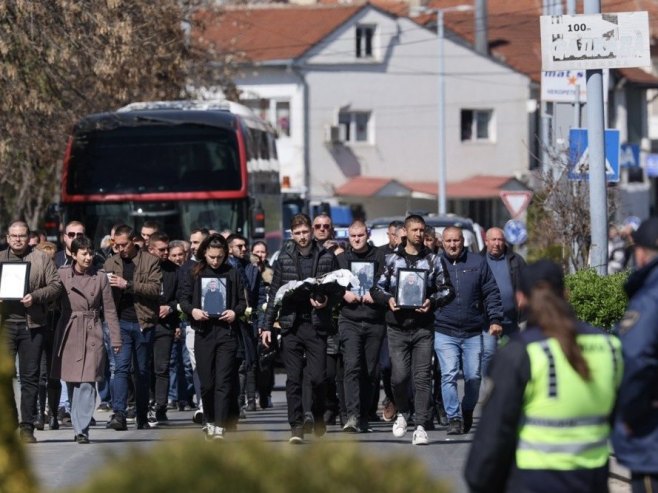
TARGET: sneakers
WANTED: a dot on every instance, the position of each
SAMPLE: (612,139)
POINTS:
(197,417)
(329,417)
(389,412)
(251,406)
(104,406)
(161,415)
(151,420)
(400,427)
(352,425)
(131,415)
(455,427)
(296,436)
(468,420)
(82,439)
(420,437)
(26,434)
(118,422)
(442,417)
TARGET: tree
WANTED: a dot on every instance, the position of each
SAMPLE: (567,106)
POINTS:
(63,59)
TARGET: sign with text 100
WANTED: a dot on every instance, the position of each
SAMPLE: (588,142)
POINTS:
(595,41)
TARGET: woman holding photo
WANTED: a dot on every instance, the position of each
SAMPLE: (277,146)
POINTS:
(79,357)
(216,337)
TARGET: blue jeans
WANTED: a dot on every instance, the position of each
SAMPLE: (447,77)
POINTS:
(490,343)
(455,353)
(138,344)
(104,387)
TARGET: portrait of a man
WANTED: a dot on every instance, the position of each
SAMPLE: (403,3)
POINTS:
(213,295)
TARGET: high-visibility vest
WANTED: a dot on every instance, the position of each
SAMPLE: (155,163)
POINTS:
(565,425)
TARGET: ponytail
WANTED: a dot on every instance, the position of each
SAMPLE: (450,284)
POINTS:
(549,310)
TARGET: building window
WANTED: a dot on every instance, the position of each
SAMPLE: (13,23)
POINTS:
(354,126)
(477,125)
(277,112)
(364,41)
(282,112)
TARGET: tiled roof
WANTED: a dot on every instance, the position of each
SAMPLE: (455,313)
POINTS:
(639,77)
(272,32)
(475,187)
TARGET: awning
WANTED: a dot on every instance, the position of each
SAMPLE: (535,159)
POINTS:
(638,77)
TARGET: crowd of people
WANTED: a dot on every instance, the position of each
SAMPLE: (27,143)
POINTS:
(147,323)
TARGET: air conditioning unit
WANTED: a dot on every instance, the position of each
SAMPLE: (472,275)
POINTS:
(332,134)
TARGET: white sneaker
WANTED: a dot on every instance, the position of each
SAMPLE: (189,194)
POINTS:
(400,427)
(420,437)
(219,433)
(209,430)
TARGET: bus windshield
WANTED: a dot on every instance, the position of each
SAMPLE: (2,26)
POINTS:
(154,158)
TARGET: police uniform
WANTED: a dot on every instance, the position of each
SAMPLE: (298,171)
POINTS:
(544,428)
(635,435)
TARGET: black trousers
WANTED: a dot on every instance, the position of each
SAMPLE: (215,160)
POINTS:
(304,341)
(216,351)
(163,339)
(361,343)
(50,389)
(28,345)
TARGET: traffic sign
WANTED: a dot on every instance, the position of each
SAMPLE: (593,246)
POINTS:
(579,155)
(515,201)
(629,156)
(515,232)
(595,41)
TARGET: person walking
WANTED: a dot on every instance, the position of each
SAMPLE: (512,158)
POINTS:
(136,278)
(409,329)
(25,320)
(546,421)
(458,326)
(304,320)
(79,354)
(216,337)
(361,328)
(635,435)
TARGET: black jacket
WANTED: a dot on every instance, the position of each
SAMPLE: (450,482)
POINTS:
(515,265)
(359,312)
(168,293)
(286,269)
(190,295)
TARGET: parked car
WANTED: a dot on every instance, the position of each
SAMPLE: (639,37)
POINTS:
(473,238)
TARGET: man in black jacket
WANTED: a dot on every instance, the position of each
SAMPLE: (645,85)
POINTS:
(304,319)
(167,327)
(410,335)
(361,327)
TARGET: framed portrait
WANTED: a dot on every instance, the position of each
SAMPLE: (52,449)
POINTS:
(14,280)
(214,295)
(411,288)
(364,271)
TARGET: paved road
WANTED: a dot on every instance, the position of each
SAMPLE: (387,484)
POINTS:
(59,462)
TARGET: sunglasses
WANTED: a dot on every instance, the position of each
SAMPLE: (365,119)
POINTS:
(321,226)
(74,235)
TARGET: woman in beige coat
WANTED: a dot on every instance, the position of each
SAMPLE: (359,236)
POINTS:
(79,354)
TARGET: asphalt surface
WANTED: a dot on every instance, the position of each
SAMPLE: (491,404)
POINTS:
(60,463)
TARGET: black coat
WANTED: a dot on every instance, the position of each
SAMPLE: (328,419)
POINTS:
(286,270)
(168,293)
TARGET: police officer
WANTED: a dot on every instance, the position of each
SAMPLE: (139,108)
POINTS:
(545,424)
(635,436)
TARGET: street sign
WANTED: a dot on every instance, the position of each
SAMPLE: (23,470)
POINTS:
(560,86)
(515,232)
(595,41)
(652,165)
(579,155)
(515,201)
(629,156)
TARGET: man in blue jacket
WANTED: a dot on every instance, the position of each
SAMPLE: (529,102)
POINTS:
(458,326)
(635,435)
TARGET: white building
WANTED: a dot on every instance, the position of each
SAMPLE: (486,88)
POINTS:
(354,93)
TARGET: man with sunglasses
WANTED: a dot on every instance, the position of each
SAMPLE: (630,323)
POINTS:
(323,228)
(73,230)
(24,320)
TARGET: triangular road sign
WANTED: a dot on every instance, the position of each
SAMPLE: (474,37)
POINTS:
(515,201)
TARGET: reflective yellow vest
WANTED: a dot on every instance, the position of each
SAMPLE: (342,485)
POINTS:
(565,425)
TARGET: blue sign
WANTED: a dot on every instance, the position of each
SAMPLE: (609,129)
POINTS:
(652,165)
(515,232)
(629,157)
(579,155)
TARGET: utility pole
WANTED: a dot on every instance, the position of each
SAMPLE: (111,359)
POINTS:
(598,203)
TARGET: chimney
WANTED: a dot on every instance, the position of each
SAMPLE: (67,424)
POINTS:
(481,34)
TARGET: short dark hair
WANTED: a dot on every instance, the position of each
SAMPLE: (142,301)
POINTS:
(259,242)
(19,222)
(158,236)
(204,231)
(413,218)
(124,229)
(235,236)
(151,224)
(395,224)
(300,219)
(81,243)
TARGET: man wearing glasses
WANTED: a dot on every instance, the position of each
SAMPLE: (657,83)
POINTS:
(73,230)
(323,228)
(24,320)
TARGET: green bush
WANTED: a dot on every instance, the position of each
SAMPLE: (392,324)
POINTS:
(255,466)
(598,300)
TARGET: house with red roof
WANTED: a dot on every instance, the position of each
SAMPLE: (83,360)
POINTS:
(353,91)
